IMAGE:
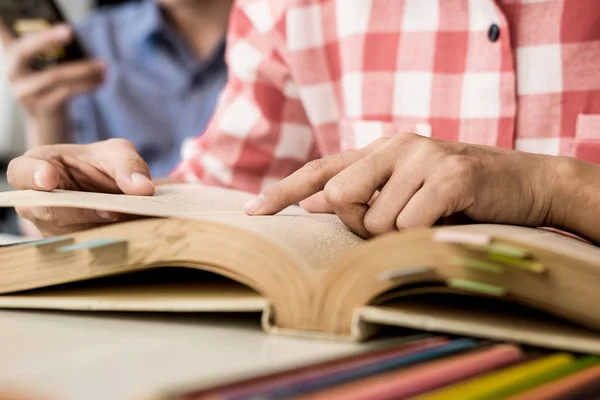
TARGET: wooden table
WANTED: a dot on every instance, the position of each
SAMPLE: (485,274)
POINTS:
(85,356)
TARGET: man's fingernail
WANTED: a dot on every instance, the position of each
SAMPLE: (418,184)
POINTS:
(140,179)
(38,179)
(104,215)
(255,204)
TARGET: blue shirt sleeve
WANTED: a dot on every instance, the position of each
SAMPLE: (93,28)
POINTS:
(83,124)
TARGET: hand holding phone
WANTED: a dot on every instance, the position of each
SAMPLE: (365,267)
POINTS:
(43,92)
(24,17)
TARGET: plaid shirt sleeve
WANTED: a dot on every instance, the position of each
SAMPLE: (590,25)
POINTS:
(259,133)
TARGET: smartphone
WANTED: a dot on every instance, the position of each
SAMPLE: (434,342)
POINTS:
(23,17)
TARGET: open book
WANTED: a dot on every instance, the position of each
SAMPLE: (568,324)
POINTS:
(196,251)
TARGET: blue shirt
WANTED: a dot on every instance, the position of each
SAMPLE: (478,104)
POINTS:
(156,91)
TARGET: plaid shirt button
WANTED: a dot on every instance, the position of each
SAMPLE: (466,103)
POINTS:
(494,33)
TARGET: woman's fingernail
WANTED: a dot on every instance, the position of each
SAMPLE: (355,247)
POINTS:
(140,179)
(105,215)
(38,179)
(255,204)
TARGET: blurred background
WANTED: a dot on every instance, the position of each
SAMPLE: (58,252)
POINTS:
(12,141)
(11,120)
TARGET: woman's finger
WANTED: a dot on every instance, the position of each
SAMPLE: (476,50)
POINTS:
(121,161)
(350,191)
(393,197)
(27,172)
(430,203)
(306,181)
(316,204)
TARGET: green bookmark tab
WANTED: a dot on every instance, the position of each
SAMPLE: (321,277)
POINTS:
(91,245)
(482,265)
(478,287)
(533,266)
(502,249)
(45,242)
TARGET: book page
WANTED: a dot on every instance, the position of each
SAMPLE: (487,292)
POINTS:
(312,239)
(175,200)
(476,317)
(157,290)
(317,239)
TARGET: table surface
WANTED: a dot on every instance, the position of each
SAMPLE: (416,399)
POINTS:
(76,356)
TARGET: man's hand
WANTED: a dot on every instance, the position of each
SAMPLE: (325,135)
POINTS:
(409,181)
(112,166)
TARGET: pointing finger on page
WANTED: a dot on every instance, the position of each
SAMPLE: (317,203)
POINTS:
(305,182)
(300,185)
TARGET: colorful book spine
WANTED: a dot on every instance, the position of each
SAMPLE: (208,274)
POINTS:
(277,380)
(497,384)
(425,368)
(563,388)
(353,374)
(421,378)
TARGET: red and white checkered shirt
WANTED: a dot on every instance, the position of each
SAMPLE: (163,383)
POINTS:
(310,78)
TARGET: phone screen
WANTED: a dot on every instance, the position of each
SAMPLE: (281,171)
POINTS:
(23,17)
